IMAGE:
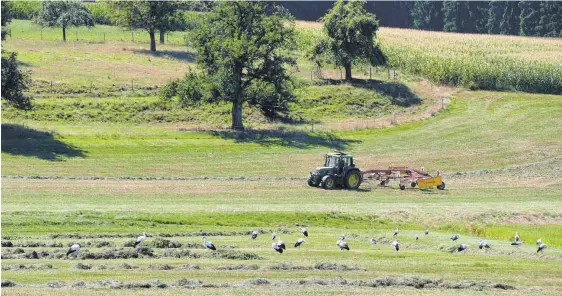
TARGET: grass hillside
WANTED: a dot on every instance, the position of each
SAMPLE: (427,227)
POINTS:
(479,130)
(99,161)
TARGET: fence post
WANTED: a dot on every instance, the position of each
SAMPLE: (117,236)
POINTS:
(51,86)
(132,35)
(313,127)
(76,35)
(442,103)
(132,84)
(91,84)
(341,74)
(369,72)
(310,75)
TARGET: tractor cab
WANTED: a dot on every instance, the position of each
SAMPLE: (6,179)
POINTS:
(338,171)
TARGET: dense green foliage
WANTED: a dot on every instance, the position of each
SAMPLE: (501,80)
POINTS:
(242,48)
(101,11)
(531,18)
(150,16)
(25,10)
(14,80)
(64,14)
(428,15)
(351,37)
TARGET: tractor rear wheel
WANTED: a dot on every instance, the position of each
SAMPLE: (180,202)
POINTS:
(328,183)
(442,186)
(352,180)
(413,184)
(402,187)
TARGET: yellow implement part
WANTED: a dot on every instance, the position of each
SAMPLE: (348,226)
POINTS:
(430,182)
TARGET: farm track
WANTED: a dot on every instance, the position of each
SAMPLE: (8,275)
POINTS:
(549,167)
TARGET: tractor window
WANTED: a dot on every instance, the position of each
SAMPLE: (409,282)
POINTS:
(347,161)
(331,161)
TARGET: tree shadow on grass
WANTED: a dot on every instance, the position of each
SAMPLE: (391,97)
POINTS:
(400,94)
(20,140)
(185,56)
(281,137)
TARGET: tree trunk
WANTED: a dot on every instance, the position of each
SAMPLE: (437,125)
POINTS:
(237,116)
(64,34)
(348,72)
(152,41)
(162,33)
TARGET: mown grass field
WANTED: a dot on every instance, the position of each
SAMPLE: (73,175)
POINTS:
(101,167)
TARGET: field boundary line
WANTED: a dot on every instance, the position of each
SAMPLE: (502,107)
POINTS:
(155,178)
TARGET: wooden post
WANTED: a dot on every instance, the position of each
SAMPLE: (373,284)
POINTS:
(442,99)
(91,84)
(341,75)
(369,72)
(310,75)
(132,84)
(389,73)
(313,127)
(76,35)
(133,35)
(51,86)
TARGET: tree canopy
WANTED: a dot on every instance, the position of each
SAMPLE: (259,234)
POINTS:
(242,49)
(14,80)
(151,16)
(351,32)
(64,14)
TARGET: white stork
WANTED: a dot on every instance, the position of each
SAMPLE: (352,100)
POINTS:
(455,237)
(140,239)
(342,245)
(299,242)
(304,231)
(396,245)
(277,248)
(254,234)
(208,245)
(541,248)
(73,249)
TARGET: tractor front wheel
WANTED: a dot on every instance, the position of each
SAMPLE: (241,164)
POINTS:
(442,186)
(402,187)
(328,183)
(352,180)
(311,182)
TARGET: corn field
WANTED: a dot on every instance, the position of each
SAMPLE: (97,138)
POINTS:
(490,62)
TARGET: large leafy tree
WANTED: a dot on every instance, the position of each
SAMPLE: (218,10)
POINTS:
(510,24)
(529,18)
(242,49)
(428,15)
(351,36)
(495,14)
(456,17)
(151,16)
(550,23)
(64,14)
(14,80)
(479,15)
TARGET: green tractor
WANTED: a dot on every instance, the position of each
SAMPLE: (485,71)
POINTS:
(338,171)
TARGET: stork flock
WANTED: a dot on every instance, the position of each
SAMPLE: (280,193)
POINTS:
(280,246)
